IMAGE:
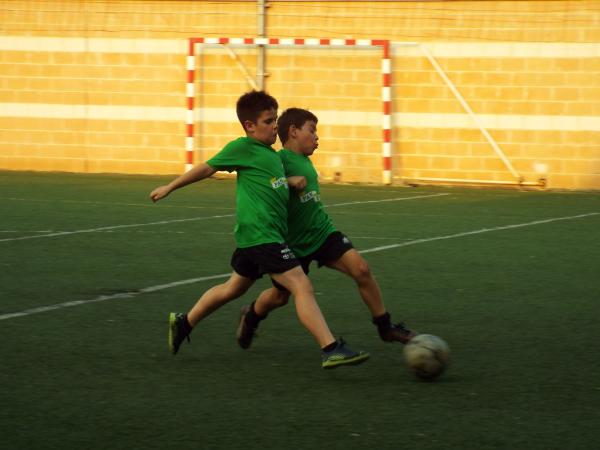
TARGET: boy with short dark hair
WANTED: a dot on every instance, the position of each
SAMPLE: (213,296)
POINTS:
(312,236)
(261,227)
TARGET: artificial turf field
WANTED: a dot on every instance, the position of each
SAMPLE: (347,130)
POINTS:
(90,270)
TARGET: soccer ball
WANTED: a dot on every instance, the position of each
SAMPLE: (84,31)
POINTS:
(426,356)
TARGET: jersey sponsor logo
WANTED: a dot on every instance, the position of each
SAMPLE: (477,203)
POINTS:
(278,182)
(308,196)
(287,253)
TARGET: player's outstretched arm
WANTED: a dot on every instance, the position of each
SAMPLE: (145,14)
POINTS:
(200,172)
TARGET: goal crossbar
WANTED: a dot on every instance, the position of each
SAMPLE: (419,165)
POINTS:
(386,82)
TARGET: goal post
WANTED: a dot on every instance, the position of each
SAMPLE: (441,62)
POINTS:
(386,82)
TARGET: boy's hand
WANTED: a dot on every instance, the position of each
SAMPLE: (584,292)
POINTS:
(160,193)
(297,182)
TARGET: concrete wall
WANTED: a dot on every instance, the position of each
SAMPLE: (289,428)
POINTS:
(100,86)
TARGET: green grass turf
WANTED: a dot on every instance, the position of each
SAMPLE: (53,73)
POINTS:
(519,308)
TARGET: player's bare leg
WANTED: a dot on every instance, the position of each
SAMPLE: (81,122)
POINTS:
(333,353)
(251,315)
(354,265)
(307,309)
(270,299)
(181,325)
(217,296)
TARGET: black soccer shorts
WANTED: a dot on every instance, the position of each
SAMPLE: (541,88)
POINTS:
(332,249)
(254,262)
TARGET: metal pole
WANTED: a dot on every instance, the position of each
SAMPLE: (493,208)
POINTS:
(261,63)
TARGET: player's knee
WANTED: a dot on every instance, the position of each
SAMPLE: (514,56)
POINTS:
(301,286)
(282,298)
(361,271)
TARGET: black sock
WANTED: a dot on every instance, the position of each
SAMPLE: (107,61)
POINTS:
(253,319)
(330,347)
(186,325)
(383,322)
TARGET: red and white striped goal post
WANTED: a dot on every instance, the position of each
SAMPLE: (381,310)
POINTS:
(386,94)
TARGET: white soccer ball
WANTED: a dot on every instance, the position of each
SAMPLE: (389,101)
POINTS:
(427,356)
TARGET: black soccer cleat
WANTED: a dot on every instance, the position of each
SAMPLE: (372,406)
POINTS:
(244,333)
(396,333)
(177,332)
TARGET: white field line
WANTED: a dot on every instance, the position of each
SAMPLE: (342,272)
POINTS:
(102,298)
(114,227)
(480,231)
(89,202)
(160,287)
(165,222)
(30,231)
(385,200)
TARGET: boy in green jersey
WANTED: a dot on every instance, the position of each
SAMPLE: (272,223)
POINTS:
(312,236)
(260,230)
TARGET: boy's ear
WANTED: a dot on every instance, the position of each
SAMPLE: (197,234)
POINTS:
(248,125)
(292,131)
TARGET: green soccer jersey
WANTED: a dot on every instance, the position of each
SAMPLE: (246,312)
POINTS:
(262,191)
(308,223)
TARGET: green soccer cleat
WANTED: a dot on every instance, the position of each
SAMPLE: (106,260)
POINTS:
(177,331)
(342,355)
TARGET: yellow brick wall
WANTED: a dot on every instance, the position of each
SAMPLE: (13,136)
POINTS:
(100,86)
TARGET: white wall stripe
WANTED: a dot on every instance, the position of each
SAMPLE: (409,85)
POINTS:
(399,49)
(504,50)
(98,112)
(499,122)
(93,45)
(227,115)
